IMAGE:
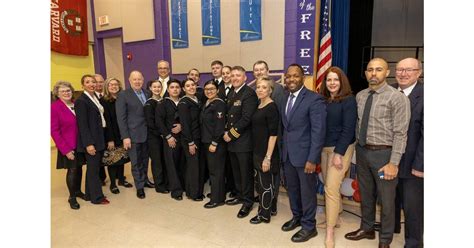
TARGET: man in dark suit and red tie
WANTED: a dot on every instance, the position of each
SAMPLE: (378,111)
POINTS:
(303,115)
(411,166)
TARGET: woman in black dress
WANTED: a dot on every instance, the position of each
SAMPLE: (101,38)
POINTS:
(266,158)
(112,133)
(189,108)
(212,130)
(168,123)
(154,139)
(91,142)
(64,133)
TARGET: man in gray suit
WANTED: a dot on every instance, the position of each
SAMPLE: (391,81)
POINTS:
(260,69)
(133,130)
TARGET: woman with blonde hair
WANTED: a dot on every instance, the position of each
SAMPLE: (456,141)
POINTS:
(112,87)
(64,133)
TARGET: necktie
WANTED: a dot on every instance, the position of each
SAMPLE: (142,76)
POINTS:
(365,120)
(141,97)
(290,105)
(227,89)
(217,81)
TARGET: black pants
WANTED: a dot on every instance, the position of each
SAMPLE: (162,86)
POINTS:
(93,183)
(242,169)
(158,168)
(215,163)
(194,172)
(266,192)
(73,180)
(139,158)
(102,174)
(229,177)
(412,195)
(116,172)
(372,187)
(174,167)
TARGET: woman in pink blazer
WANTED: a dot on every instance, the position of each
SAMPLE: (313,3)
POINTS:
(64,134)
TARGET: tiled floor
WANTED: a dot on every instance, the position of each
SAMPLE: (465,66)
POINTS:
(160,221)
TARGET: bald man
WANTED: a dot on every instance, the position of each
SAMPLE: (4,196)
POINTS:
(407,73)
(163,68)
(133,129)
(381,133)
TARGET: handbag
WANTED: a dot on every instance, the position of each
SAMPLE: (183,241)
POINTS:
(115,156)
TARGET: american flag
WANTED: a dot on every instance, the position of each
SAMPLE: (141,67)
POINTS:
(325,51)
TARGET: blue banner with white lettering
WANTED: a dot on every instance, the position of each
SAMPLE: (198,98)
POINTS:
(179,23)
(305,28)
(211,22)
(250,20)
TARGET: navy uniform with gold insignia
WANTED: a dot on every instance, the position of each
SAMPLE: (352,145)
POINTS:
(188,111)
(166,117)
(212,129)
(242,103)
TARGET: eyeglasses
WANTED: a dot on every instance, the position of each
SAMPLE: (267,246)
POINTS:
(64,91)
(407,70)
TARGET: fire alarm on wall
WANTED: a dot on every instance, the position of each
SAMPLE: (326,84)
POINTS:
(103,20)
(129,56)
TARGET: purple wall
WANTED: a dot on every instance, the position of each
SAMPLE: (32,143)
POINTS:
(146,53)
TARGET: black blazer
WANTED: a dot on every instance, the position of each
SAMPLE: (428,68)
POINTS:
(188,111)
(166,115)
(240,108)
(414,151)
(149,109)
(89,124)
(213,119)
(112,131)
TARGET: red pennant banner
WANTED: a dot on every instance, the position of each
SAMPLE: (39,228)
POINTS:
(69,27)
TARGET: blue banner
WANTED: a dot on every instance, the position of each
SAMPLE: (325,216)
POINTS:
(211,22)
(250,20)
(305,28)
(179,23)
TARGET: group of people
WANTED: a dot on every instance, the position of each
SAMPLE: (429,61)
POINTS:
(239,136)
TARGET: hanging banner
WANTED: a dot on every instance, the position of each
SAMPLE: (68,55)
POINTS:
(250,20)
(305,28)
(211,22)
(179,23)
(69,27)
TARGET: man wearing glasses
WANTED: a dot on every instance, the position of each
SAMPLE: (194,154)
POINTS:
(383,117)
(408,72)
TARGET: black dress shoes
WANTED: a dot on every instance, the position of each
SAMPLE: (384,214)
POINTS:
(125,184)
(233,201)
(232,195)
(149,184)
(304,235)
(73,203)
(114,189)
(199,198)
(258,219)
(208,195)
(360,234)
(213,204)
(178,197)
(141,193)
(163,191)
(244,211)
(291,225)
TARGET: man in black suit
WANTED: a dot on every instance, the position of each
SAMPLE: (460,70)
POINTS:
(216,71)
(242,104)
(411,165)
(99,91)
(133,129)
